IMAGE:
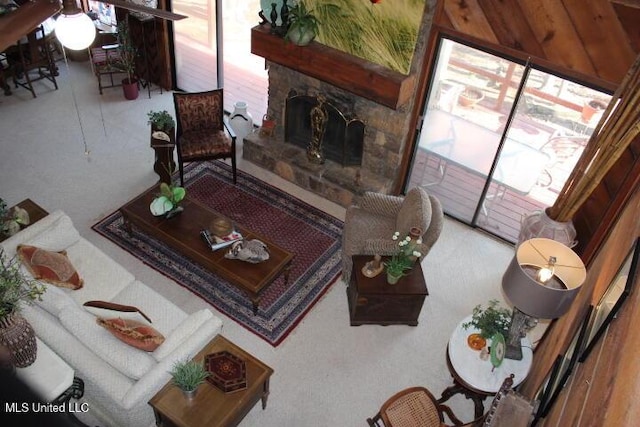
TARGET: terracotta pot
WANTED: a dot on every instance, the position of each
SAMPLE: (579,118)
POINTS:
(470,96)
(130,89)
(17,335)
(589,109)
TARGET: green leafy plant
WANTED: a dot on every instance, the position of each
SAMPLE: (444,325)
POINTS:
(128,52)
(490,320)
(188,375)
(12,219)
(302,22)
(170,197)
(15,286)
(161,120)
(405,257)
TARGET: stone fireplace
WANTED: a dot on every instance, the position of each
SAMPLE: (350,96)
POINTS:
(377,97)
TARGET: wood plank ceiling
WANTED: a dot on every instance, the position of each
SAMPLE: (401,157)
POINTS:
(595,40)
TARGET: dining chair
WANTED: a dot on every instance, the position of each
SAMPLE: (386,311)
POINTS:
(104,56)
(201,131)
(413,407)
(33,60)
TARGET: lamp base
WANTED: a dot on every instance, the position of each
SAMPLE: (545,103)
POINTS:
(521,323)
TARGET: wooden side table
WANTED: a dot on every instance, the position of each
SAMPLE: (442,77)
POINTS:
(211,407)
(372,301)
(35,211)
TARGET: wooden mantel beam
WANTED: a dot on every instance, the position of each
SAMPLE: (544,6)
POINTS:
(20,22)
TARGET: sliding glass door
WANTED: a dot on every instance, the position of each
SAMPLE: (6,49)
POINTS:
(498,138)
(213,49)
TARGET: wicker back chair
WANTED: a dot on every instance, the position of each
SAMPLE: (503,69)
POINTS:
(412,407)
(201,131)
(368,227)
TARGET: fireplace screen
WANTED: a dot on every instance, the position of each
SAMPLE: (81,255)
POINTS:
(342,139)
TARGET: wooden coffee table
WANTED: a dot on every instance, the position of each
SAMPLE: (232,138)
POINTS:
(212,407)
(182,233)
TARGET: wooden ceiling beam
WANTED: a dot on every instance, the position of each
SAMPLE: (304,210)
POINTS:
(20,22)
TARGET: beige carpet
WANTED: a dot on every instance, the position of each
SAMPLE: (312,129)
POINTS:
(326,372)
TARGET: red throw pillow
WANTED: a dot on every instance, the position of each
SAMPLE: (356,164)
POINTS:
(50,267)
(132,332)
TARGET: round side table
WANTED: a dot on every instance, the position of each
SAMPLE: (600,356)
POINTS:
(476,378)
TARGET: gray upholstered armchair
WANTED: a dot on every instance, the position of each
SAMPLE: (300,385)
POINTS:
(369,226)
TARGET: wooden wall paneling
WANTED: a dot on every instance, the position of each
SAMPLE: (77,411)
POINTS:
(629,17)
(602,36)
(555,32)
(468,17)
(511,26)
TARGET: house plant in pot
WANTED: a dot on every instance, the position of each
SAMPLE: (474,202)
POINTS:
(488,321)
(163,139)
(128,54)
(16,334)
(187,376)
(303,25)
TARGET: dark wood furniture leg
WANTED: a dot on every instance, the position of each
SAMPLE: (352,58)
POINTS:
(265,394)
(457,388)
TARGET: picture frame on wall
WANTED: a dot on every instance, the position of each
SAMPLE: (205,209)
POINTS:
(563,368)
(612,300)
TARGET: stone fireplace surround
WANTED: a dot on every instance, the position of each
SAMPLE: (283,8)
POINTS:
(384,133)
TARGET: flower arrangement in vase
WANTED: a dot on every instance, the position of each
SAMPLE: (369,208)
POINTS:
(405,257)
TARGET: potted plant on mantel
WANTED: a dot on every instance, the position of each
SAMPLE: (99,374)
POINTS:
(127,63)
(16,334)
(187,376)
(303,25)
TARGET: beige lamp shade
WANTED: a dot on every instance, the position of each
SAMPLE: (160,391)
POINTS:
(543,300)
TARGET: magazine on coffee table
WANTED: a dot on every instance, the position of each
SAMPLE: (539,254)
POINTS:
(215,242)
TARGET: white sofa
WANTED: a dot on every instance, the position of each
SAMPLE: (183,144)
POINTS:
(119,379)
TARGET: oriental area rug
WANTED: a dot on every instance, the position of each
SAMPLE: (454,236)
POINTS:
(312,235)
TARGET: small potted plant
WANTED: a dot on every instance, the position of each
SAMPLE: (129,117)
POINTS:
(470,96)
(188,375)
(488,321)
(161,120)
(127,62)
(303,25)
(168,202)
(11,220)
(405,257)
(15,332)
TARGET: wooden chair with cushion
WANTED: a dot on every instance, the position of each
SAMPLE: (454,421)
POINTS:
(201,131)
(105,60)
(413,407)
(34,60)
(369,226)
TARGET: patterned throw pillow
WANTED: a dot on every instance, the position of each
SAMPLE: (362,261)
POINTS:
(132,332)
(51,267)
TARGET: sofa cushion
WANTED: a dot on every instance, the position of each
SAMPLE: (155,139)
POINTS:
(55,299)
(133,333)
(183,331)
(129,361)
(51,267)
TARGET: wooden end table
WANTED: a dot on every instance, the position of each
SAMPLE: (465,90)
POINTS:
(35,211)
(211,407)
(373,301)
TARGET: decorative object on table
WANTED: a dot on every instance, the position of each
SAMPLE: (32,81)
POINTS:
(373,267)
(227,371)
(12,220)
(167,203)
(187,376)
(276,13)
(541,282)
(403,259)
(128,55)
(162,121)
(253,251)
(497,349)
(221,227)
(476,341)
(268,127)
(303,25)
(539,224)
(240,120)
(16,334)
(491,320)
(613,298)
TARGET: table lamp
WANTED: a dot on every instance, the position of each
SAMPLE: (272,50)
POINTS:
(541,281)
